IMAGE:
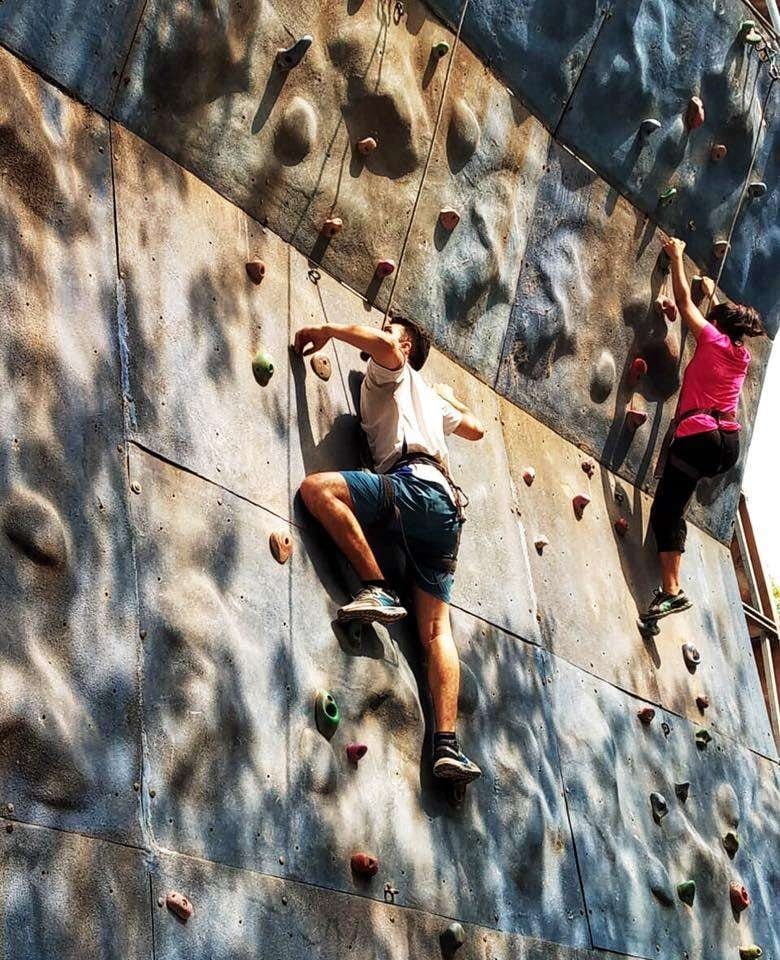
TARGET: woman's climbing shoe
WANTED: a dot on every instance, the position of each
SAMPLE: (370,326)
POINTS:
(373,605)
(663,604)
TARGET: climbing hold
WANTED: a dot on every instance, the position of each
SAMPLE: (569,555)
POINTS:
(740,898)
(691,656)
(636,371)
(256,270)
(694,113)
(748,33)
(367,145)
(667,196)
(390,892)
(135,486)
(332,226)
(320,364)
(635,418)
(718,151)
(682,790)
(364,865)
(281,546)
(602,381)
(441,49)
(326,713)
(666,307)
(179,904)
(756,189)
(686,891)
(262,367)
(751,952)
(452,938)
(621,526)
(702,287)
(540,542)
(579,503)
(659,805)
(649,126)
(356,752)
(731,844)
(384,268)
(702,702)
(646,714)
(720,248)
(589,467)
(702,738)
(529,475)
(292,56)
(449,218)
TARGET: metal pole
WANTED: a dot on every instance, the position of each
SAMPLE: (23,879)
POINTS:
(774,14)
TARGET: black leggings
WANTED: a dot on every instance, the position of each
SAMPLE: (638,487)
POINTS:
(690,458)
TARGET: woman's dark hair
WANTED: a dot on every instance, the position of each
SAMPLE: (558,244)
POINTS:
(420,342)
(737,320)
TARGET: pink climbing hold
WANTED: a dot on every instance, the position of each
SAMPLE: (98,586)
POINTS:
(449,218)
(694,114)
(384,268)
(588,467)
(364,865)
(666,307)
(356,752)
(179,904)
(646,714)
(255,270)
(621,526)
(332,226)
(740,898)
(529,475)
(635,418)
(367,145)
(579,502)
(636,371)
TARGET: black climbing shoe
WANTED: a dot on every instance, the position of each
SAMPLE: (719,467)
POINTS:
(663,604)
(373,605)
(450,763)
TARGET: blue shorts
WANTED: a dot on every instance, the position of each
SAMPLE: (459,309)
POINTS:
(430,525)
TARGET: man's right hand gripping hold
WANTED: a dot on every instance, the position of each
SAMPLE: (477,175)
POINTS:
(412,495)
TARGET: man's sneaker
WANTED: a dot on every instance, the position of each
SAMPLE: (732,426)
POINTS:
(450,763)
(663,604)
(373,605)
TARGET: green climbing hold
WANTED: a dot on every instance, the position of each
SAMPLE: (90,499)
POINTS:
(748,32)
(752,952)
(263,367)
(731,844)
(326,713)
(441,49)
(703,737)
(686,891)
(667,196)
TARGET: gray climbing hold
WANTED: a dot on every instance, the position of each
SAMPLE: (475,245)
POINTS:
(602,381)
(691,656)
(463,134)
(452,938)
(731,844)
(751,952)
(649,126)
(702,737)
(296,134)
(756,189)
(292,56)
(720,248)
(682,790)
(659,806)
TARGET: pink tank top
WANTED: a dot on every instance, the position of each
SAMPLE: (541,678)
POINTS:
(713,381)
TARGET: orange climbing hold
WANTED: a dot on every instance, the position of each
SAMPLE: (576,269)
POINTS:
(740,898)
(385,267)
(694,114)
(281,546)
(367,145)
(636,371)
(449,218)
(579,502)
(332,226)
(718,151)
(179,904)
(364,865)
(256,270)
(666,307)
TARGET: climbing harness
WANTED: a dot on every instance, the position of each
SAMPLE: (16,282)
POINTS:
(667,455)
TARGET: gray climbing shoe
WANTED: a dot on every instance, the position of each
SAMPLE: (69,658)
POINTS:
(372,605)
(663,604)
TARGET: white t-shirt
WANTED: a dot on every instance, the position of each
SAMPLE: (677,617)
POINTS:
(397,406)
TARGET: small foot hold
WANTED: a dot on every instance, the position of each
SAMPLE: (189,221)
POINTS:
(756,189)
(636,371)
(649,126)
(718,152)
(667,196)
(384,268)
(694,113)
(440,49)
(332,226)
(292,56)
(720,248)
(367,145)
(666,307)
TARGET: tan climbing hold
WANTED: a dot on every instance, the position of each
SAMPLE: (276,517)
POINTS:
(665,308)
(702,287)
(579,502)
(529,475)
(718,151)
(281,546)
(367,145)
(255,270)
(721,248)
(449,218)
(694,113)
(540,542)
(179,904)
(332,226)
(385,267)
(321,365)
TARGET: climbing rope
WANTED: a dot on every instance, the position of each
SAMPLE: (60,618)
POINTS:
(427,160)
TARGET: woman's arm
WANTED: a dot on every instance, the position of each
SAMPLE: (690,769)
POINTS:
(382,347)
(690,313)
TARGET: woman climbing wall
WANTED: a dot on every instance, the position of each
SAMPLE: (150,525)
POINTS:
(705,433)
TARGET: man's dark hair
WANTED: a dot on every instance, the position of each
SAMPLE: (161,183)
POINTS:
(737,321)
(421,343)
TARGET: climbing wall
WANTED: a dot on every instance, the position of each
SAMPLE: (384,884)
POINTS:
(500,186)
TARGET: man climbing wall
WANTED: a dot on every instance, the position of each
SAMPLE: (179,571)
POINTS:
(411,496)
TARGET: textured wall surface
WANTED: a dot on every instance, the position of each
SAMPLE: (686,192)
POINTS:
(156,720)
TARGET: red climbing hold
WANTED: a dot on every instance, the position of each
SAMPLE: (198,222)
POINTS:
(384,268)
(621,526)
(694,114)
(449,218)
(579,502)
(529,475)
(356,752)
(364,865)
(367,145)
(540,542)
(332,226)
(740,898)
(179,904)
(646,714)
(666,307)
(702,702)
(636,371)
(256,270)
(281,546)
(635,418)
(589,467)
(718,151)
